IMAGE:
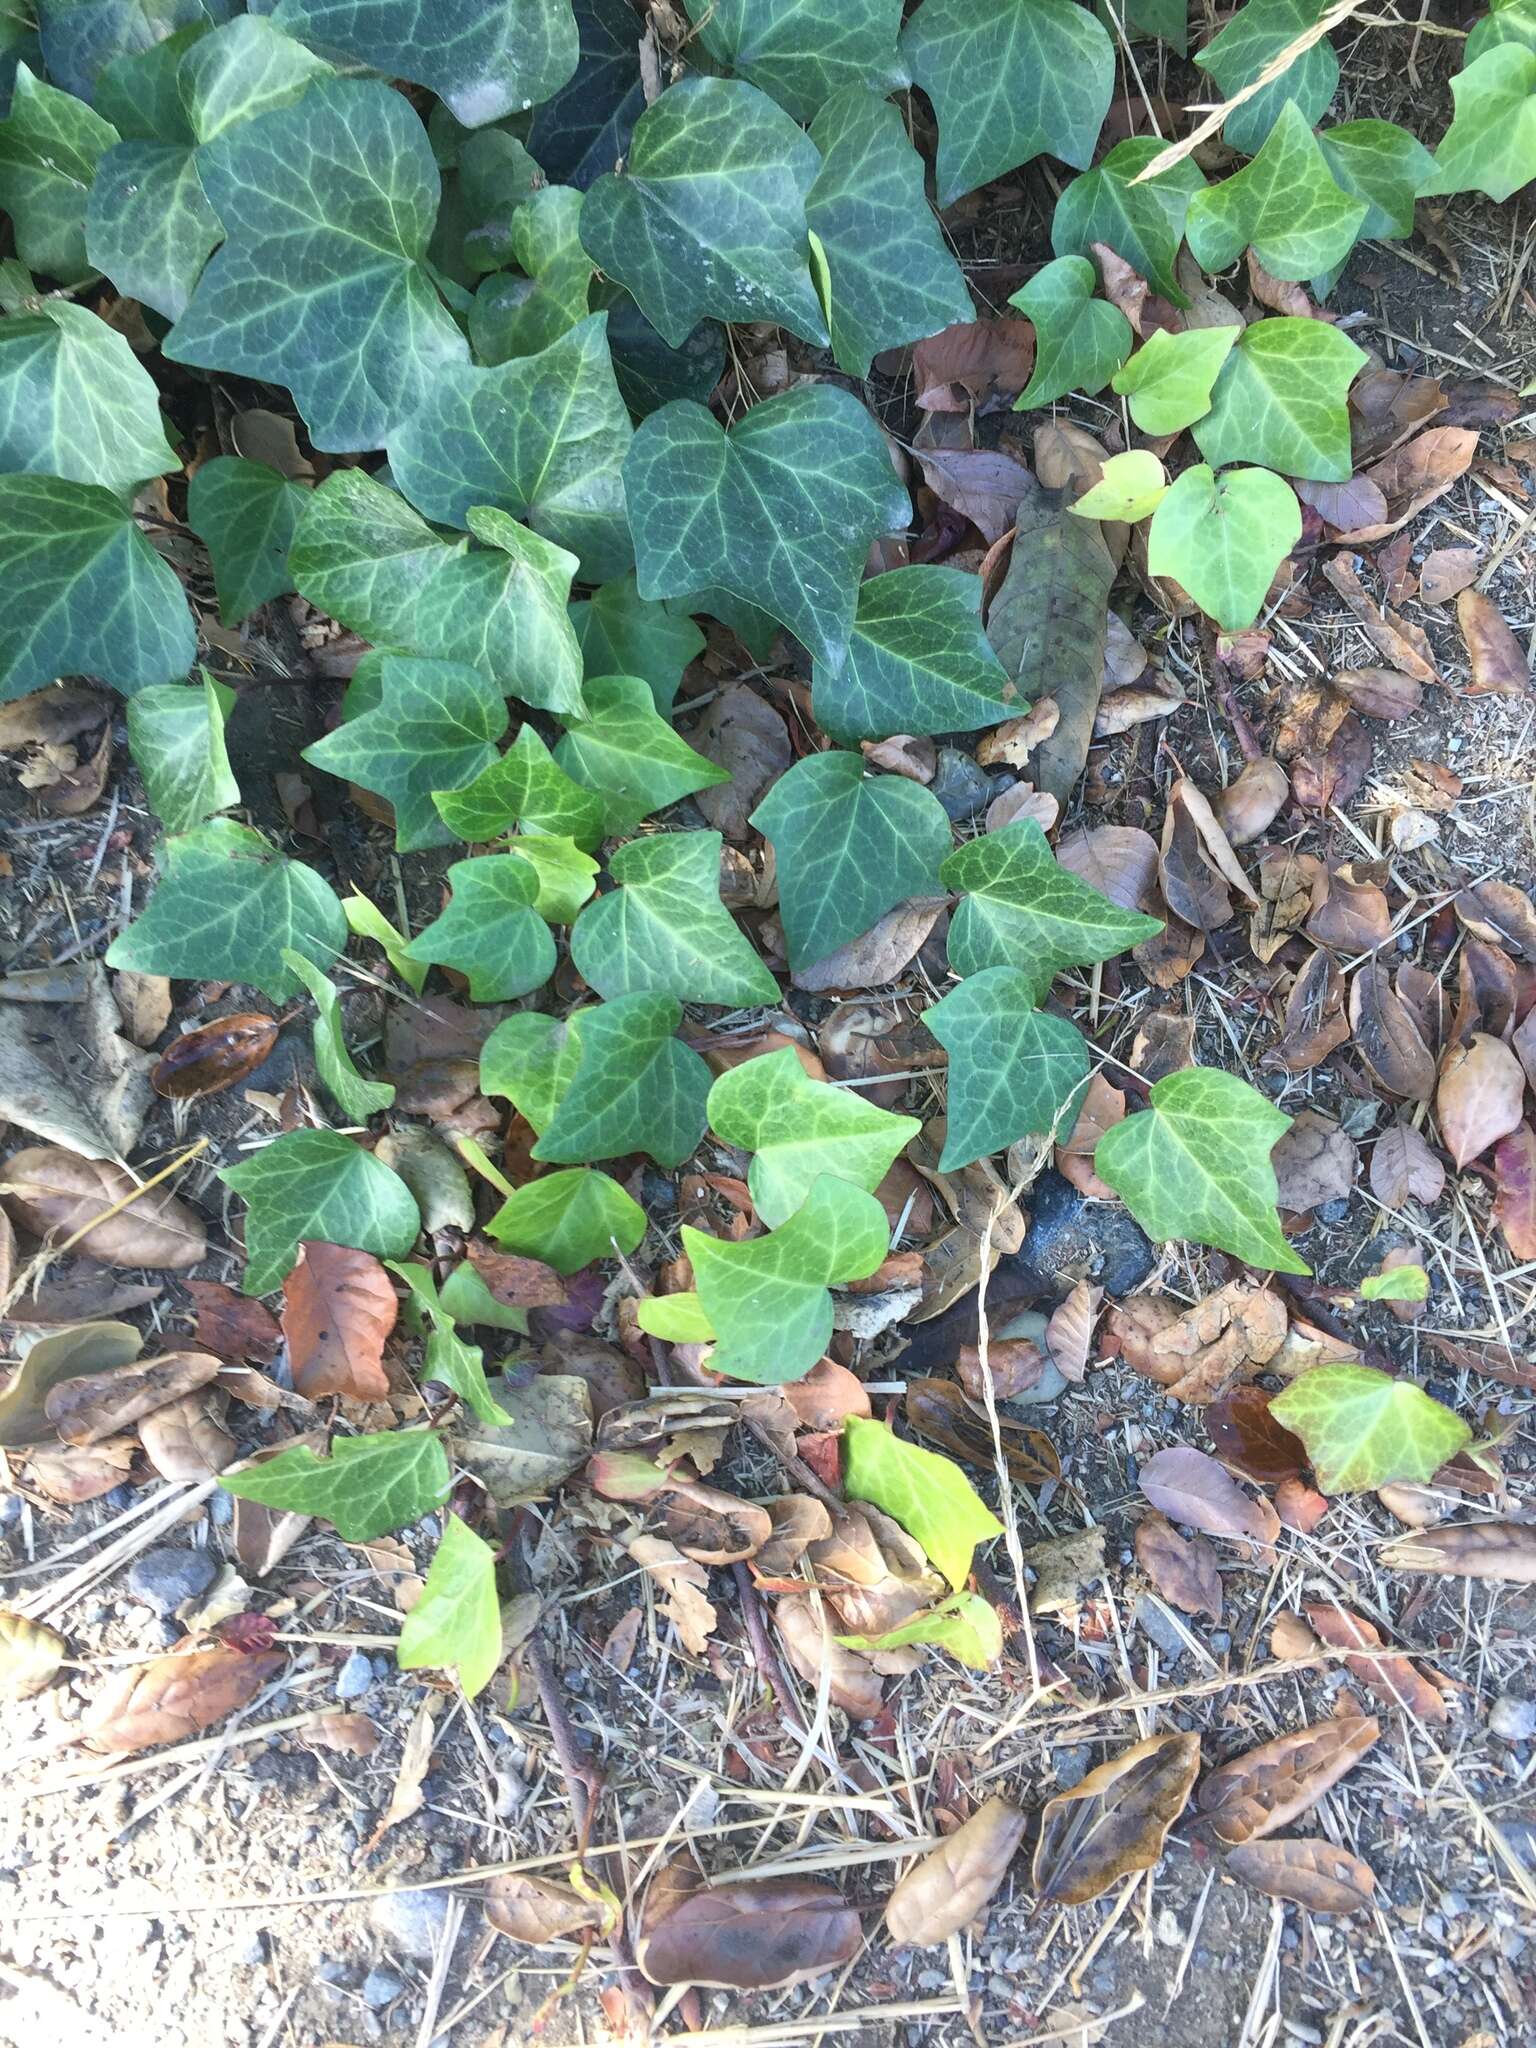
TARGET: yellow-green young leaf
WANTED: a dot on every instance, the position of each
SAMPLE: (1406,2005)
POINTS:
(354,1094)
(176,732)
(369,922)
(1397,1283)
(1363,1429)
(569,1219)
(368,1486)
(675,1318)
(966,1626)
(1223,538)
(567,876)
(1130,488)
(448,1358)
(929,1495)
(1169,379)
(456,1624)
(490,930)
(799,1129)
(1196,1165)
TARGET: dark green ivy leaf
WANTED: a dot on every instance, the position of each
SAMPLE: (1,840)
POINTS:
(1143,224)
(490,930)
(367,1486)
(76,402)
(918,661)
(49,148)
(322,1187)
(801,51)
(1254,36)
(1021,908)
(1013,1068)
(246,515)
(624,634)
(1383,165)
(1080,341)
(636,1087)
(665,930)
(628,756)
(80,38)
(584,129)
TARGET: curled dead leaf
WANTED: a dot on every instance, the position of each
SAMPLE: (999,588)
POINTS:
(95,1405)
(952,1883)
(1313,1873)
(1234,1332)
(234,1325)
(1120,861)
(1247,807)
(214,1056)
(30,1655)
(533,1909)
(1315,1162)
(827,1396)
(170,1699)
(70,1473)
(1446,572)
(798,1520)
(751,1934)
(1499,664)
(989,360)
(1248,1437)
(1069,1333)
(1263,1790)
(1514,1201)
(54,1194)
(1115,1821)
(713,1527)
(185,1440)
(1014,1364)
(1103,1106)
(1387,1036)
(1504,1551)
(1394,1680)
(342,1734)
(680,1584)
(1315,1023)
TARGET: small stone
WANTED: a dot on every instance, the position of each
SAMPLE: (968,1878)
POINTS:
(411,1922)
(221,1507)
(1512,1720)
(333,1972)
(960,786)
(10,1510)
(381,1986)
(1072,1761)
(120,1499)
(354,1677)
(1152,1621)
(163,1579)
(931,1980)
(1334,1211)
(252,1952)
(1220,1640)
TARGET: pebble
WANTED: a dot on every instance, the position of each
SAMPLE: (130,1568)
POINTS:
(10,1510)
(1513,1720)
(1072,1761)
(251,1953)
(411,1922)
(163,1579)
(1334,1211)
(931,1980)
(221,1508)
(354,1677)
(1152,1621)
(120,1499)
(381,1986)
(1220,1640)
(960,786)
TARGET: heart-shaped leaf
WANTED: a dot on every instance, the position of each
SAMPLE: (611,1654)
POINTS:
(1131,486)
(1021,908)
(1281,400)
(928,1495)
(1010,80)
(623,634)
(353,1093)
(85,592)
(1169,379)
(525,786)
(666,931)
(919,661)
(799,1129)
(148,223)
(541,437)
(779,511)
(1223,538)
(50,144)
(433,727)
(224,908)
(569,1219)
(246,515)
(1013,1068)
(177,737)
(367,1486)
(318,1185)
(1251,40)
(1196,1165)
(520,316)
(490,930)
(848,846)
(708,215)
(1365,1429)
(1285,205)
(766,1297)
(566,875)
(1491,145)
(1383,165)
(532,1060)
(1513,22)
(1143,224)
(1080,341)
(584,129)
(800,52)
(455,1625)
(636,1087)
(76,402)
(630,758)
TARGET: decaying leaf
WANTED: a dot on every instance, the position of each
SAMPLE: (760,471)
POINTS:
(1183,1569)
(938,1410)
(71,1353)
(1387,1036)
(1514,1202)
(30,1655)
(185,1440)
(1401,646)
(1234,1332)
(534,1909)
(797,1521)
(86,1408)
(1394,1680)
(711,1526)
(236,1326)
(1315,1023)
(1103,1106)
(549,1436)
(1248,1437)
(1404,1168)
(1248,806)
(852,1681)
(1314,1161)
(1482,1088)
(170,1699)
(1198,867)
(1446,572)
(1069,1333)
(752,1934)
(1115,1821)
(1013,1364)
(342,1734)
(987,359)
(214,1056)
(1499,664)
(680,1584)
(1064,1568)
(1504,1551)
(1269,1786)
(1120,861)
(339,1306)
(70,1473)
(68,1076)
(53,1194)
(1312,1873)
(952,1883)
(1189,1487)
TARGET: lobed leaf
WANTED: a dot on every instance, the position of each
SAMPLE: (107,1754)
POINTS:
(628,757)
(1021,908)
(1080,341)
(1013,1068)
(919,661)
(800,52)
(1281,400)
(367,1486)
(1285,204)
(1223,538)
(320,1185)
(569,1219)
(799,1129)
(635,1087)
(1169,378)
(176,733)
(665,929)
(927,1494)
(246,515)
(621,633)
(1142,223)
(76,402)
(1364,1429)
(1257,34)
(455,1625)
(490,930)
(50,145)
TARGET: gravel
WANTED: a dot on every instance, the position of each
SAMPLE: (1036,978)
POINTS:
(411,1923)
(164,1579)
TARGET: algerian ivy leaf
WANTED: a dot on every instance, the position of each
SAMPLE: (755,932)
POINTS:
(708,215)
(85,593)
(1012,1067)
(1195,1165)
(225,906)
(1396,1283)
(363,556)
(1513,22)
(848,846)
(666,931)
(455,1624)
(433,727)
(636,1088)
(1223,538)
(353,1093)
(624,634)
(531,1059)
(1490,146)
(321,1186)
(76,402)
(930,1496)
(467,1299)
(367,1486)
(674,1318)
(966,1626)
(1169,379)
(339,307)
(1285,204)
(1254,36)
(766,1297)
(1383,165)
(49,147)
(447,1357)
(148,224)
(369,922)
(1143,224)
(566,875)
(495,179)
(892,278)
(1281,400)
(799,1129)
(139,90)
(628,756)
(569,1219)
(1021,908)
(1131,487)
(1363,1429)
(1080,341)
(541,437)
(584,128)
(1010,80)
(650,371)
(801,51)
(528,787)
(244,68)
(521,315)
(919,661)
(780,511)
(246,515)
(80,38)
(490,930)
(1167,20)
(176,733)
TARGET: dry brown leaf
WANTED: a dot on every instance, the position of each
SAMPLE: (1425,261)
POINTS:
(1299,1506)
(916,759)
(827,1396)
(1413,476)
(798,1520)
(1499,664)
(1103,1107)
(879,955)
(1504,1551)
(96,1405)
(49,717)
(1022,801)
(1197,865)
(1291,1638)
(1514,1202)
(1234,1332)
(1011,743)
(233,1325)
(941,1412)
(1287,883)
(185,1440)
(1247,807)
(981,484)
(1120,861)
(1183,1569)
(680,1584)
(1315,1162)
(1315,1023)
(343,1734)
(1500,914)
(1189,1487)
(1479,1099)
(739,731)
(1394,1680)
(853,1683)
(1278,293)
(214,1056)
(713,1527)
(1355,502)
(1014,1363)
(952,1883)
(1207,306)
(533,1909)
(1249,1438)
(65,1473)
(1387,1036)
(1314,1873)
(753,1934)
(988,359)
(30,1655)
(1378,692)
(1403,1167)
(1137,705)
(407,1798)
(1115,1821)
(1069,1333)
(170,1699)
(396,1566)
(1447,572)
(53,1194)
(1350,912)
(66,1354)
(144,1004)
(339,1306)
(1269,1786)
(1401,646)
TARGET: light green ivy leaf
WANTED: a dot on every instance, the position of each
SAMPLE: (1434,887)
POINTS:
(367,1486)
(919,661)
(802,52)
(365,918)
(966,1626)
(1222,538)
(799,1129)
(622,633)
(50,144)
(665,929)
(1251,40)
(1080,341)
(531,1059)
(1020,908)
(1195,1165)
(246,515)
(76,402)
(1363,1429)
(1013,1068)
(490,930)
(630,758)
(447,1358)
(1129,488)
(526,786)
(456,1623)
(1281,400)
(1396,1283)
(176,734)
(566,875)
(1491,144)
(636,1087)
(353,1093)
(1143,224)
(1512,22)
(1169,378)
(568,1220)
(1286,205)
(321,1186)
(928,1495)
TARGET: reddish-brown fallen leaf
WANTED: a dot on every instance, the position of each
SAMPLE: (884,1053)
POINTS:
(1401,646)
(987,359)
(1115,1821)
(1299,1506)
(339,1306)
(1014,1363)
(53,1194)
(940,1412)
(1312,1873)
(711,1526)
(1514,1203)
(344,1734)
(533,1909)
(171,1698)
(1189,1487)
(233,1325)
(1269,1786)
(1394,1680)
(1499,664)
(1197,866)
(1413,476)
(1403,1167)
(1249,1438)
(72,1473)
(827,1396)
(1447,572)
(1183,1569)
(1120,861)
(1387,1035)
(1482,1088)
(1194,1355)
(1103,1106)
(797,1522)
(516,1282)
(1505,1551)
(99,1404)
(1315,1161)
(952,1883)
(214,1056)
(754,1934)
(1358,502)
(1069,1333)
(1500,914)
(742,732)
(1350,912)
